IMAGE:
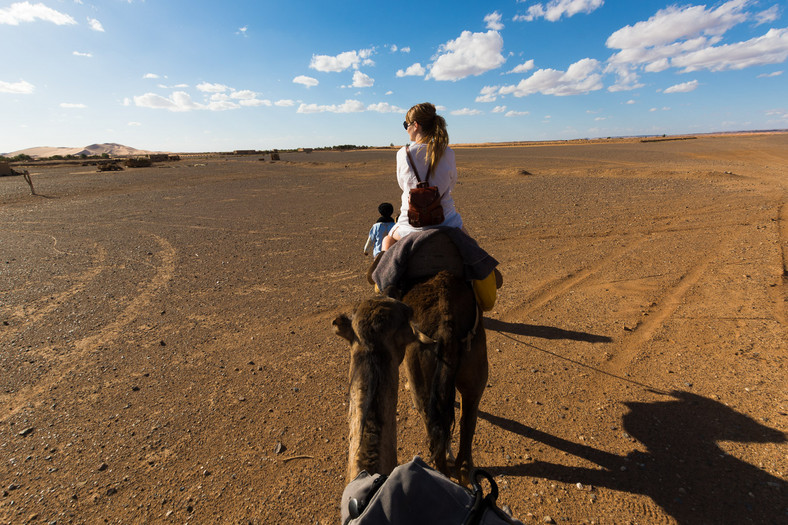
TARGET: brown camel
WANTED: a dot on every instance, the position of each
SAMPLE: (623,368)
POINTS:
(378,333)
(453,354)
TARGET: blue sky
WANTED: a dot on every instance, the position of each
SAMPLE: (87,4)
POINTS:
(196,75)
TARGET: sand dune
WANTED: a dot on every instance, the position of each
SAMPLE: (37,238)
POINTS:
(114,150)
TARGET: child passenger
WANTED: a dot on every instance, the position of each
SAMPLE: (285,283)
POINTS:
(380,229)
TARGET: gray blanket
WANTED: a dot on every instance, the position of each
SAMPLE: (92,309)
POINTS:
(392,265)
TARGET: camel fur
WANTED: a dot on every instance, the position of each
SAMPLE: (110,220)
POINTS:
(378,334)
(453,354)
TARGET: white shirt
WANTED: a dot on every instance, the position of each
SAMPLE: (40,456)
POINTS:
(444,177)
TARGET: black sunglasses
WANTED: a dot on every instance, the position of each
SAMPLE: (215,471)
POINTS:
(405,124)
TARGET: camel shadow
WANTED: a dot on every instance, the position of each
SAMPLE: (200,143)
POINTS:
(544,332)
(683,470)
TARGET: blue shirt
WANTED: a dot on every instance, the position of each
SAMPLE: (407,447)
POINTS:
(377,233)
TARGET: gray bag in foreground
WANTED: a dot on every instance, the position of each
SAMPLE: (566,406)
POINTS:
(416,494)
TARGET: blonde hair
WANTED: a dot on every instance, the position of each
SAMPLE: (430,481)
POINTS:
(433,128)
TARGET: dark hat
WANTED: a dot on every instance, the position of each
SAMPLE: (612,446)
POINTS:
(386,209)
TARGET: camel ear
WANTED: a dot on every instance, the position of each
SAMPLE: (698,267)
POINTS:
(343,327)
(421,336)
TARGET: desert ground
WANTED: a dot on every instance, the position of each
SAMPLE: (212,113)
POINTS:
(166,352)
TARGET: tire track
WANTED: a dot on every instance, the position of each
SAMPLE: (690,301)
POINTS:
(665,307)
(556,288)
(29,396)
(33,313)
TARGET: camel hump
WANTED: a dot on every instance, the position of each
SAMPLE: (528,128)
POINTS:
(437,253)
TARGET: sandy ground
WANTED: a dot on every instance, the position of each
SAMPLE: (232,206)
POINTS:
(166,352)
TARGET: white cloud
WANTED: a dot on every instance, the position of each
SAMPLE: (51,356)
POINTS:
(284,103)
(626,79)
(242,31)
(19,88)
(95,25)
(405,49)
(360,80)
(555,9)
(306,81)
(523,68)
(493,21)
(769,75)
(630,102)
(86,55)
(150,75)
(466,111)
(581,77)
(488,94)
(770,15)
(689,38)
(70,105)
(221,104)
(469,54)
(675,23)
(179,101)
(415,70)
(658,65)
(498,109)
(255,102)
(342,61)
(27,12)
(134,124)
(244,94)
(223,97)
(771,48)
(349,106)
(385,107)
(517,113)
(207,87)
(684,87)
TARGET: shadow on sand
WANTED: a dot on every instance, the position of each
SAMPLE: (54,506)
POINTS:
(544,332)
(683,470)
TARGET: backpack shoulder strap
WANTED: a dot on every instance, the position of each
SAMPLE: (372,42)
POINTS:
(411,163)
(413,166)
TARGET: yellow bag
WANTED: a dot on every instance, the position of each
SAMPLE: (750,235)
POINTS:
(486,292)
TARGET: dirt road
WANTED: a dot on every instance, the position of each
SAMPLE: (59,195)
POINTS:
(166,352)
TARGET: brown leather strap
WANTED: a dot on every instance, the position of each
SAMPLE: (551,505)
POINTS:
(413,165)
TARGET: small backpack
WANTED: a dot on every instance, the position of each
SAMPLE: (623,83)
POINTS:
(415,494)
(424,202)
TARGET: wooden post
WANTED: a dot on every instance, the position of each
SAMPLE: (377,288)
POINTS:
(29,181)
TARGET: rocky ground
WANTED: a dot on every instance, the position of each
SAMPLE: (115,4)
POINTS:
(166,352)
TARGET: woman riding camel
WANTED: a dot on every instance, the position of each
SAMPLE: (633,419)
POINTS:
(433,159)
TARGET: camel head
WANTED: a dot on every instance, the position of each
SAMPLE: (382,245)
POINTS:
(380,323)
(378,333)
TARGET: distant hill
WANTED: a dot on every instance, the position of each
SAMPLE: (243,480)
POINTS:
(112,149)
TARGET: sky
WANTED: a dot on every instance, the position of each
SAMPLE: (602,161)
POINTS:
(202,75)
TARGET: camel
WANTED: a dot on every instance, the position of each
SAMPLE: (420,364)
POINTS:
(452,355)
(378,333)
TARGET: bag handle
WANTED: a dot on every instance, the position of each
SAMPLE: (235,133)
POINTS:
(413,166)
